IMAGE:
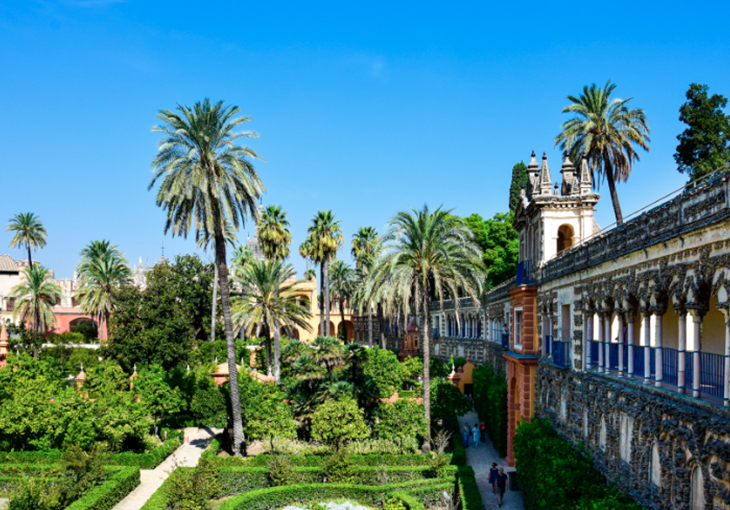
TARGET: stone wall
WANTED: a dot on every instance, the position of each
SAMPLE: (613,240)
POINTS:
(443,348)
(620,422)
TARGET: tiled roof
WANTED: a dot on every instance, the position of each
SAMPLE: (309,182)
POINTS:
(7,263)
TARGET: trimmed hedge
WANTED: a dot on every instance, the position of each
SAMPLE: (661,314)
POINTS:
(275,497)
(317,460)
(554,474)
(149,460)
(469,494)
(111,492)
(458,456)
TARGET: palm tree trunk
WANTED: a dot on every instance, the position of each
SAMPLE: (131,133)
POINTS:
(381,326)
(30,260)
(342,319)
(37,328)
(370,326)
(267,341)
(277,349)
(327,302)
(614,194)
(99,325)
(220,259)
(215,302)
(426,371)
(321,300)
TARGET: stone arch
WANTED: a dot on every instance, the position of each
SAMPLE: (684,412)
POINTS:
(697,489)
(566,237)
(655,465)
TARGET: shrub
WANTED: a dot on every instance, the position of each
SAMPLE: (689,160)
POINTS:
(553,474)
(281,470)
(384,368)
(339,421)
(339,468)
(400,420)
(447,401)
(490,402)
(191,489)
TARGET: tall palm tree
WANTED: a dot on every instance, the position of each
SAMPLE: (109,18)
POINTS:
(341,287)
(323,241)
(310,274)
(274,233)
(29,231)
(364,247)
(270,300)
(204,238)
(101,271)
(35,297)
(606,131)
(426,253)
(208,178)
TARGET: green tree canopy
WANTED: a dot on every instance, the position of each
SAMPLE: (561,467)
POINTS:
(500,243)
(337,422)
(27,230)
(400,420)
(384,368)
(705,145)
(519,181)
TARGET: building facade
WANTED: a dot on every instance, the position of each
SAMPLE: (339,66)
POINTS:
(620,337)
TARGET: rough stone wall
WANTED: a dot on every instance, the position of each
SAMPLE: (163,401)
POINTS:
(689,434)
(443,348)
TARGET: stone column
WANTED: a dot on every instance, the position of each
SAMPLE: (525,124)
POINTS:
(601,340)
(585,355)
(696,375)
(726,390)
(630,317)
(621,360)
(681,349)
(659,368)
(646,315)
(607,339)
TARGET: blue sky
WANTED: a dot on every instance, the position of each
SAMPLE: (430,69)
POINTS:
(364,108)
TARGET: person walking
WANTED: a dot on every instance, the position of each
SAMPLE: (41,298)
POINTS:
(502,485)
(493,473)
(475,435)
(483,432)
(467,433)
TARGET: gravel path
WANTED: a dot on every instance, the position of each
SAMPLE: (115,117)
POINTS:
(480,459)
(151,479)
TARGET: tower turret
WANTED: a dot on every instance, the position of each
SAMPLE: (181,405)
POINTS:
(546,183)
(569,186)
(586,183)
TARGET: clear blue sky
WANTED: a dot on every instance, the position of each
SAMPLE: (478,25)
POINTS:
(365,108)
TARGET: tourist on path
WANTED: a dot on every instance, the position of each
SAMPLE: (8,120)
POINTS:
(493,473)
(502,484)
(483,432)
(475,434)
(467,433)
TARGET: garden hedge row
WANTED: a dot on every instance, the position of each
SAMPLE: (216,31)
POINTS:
(469,494)
(458,455)
(490,403)
(149,460)
(554,474)
(111,492)
(276,497)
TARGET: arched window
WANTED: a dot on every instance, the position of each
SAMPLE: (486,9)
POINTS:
(565,238)
(697,495)
(655,469)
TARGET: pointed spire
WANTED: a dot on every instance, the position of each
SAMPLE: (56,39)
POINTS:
(568,172)
(532,174)
(545,180)
(586,184)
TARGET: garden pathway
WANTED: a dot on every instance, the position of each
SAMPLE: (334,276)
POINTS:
(480,459)
(151,479)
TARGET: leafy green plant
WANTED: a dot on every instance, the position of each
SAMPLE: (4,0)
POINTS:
(191,489)
(281,470)
(339,468)
(400,420)
(337,422)
(490,402)
(394,504)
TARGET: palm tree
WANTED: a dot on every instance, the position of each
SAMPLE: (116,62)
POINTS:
(341,287)
(34,298)
(204,238)
(426,253)
(274,233)
(208,178)
(101,271)
(323,241)
(606,132)
(29,231)
(268,298)
(365,245)
(310,274)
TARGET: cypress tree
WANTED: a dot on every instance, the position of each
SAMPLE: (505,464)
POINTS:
(519,180)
